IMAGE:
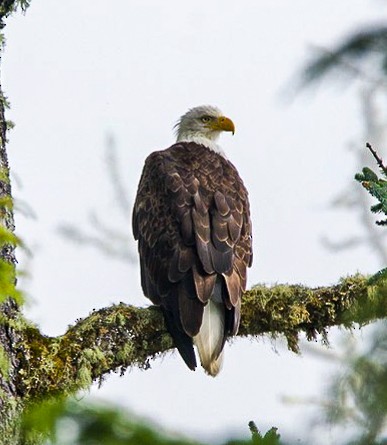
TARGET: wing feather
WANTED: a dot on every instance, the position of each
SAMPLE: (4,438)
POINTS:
(204,284)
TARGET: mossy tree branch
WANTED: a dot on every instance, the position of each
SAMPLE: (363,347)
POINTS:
(121,336)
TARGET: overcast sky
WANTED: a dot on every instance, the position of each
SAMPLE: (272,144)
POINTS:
(76,71)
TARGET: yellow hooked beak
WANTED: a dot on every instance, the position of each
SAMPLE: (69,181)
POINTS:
(223,123)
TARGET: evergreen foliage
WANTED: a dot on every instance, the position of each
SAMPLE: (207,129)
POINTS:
(377,187)
(358,395)
(7,7)
(348,57)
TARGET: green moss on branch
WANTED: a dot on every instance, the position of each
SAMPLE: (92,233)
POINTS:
(109,339)
(292,309)
(121,336)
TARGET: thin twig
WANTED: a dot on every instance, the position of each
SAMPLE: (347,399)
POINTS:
(378,159)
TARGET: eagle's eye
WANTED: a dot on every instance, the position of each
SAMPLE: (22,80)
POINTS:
(205,119)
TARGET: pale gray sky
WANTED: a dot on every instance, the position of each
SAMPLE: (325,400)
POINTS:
(77,70)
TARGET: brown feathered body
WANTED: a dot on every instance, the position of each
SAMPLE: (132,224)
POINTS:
(192,222)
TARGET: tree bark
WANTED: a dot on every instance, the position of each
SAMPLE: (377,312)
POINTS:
(11,404)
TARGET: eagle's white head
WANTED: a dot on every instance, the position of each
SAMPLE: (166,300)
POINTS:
(203,125)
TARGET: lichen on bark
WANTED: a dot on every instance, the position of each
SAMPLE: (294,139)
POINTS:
(122,336)
(291,309)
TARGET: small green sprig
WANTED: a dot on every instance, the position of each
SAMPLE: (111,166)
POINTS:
(377,187)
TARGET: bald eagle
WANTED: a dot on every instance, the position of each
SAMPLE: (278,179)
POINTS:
(192,221)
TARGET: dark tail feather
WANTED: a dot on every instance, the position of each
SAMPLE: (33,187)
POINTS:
(182,341)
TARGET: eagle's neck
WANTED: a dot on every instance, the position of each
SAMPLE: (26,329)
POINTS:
(199,138)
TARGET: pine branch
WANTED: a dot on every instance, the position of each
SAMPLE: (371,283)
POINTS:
(7,7)
(377,187)
(115,338)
